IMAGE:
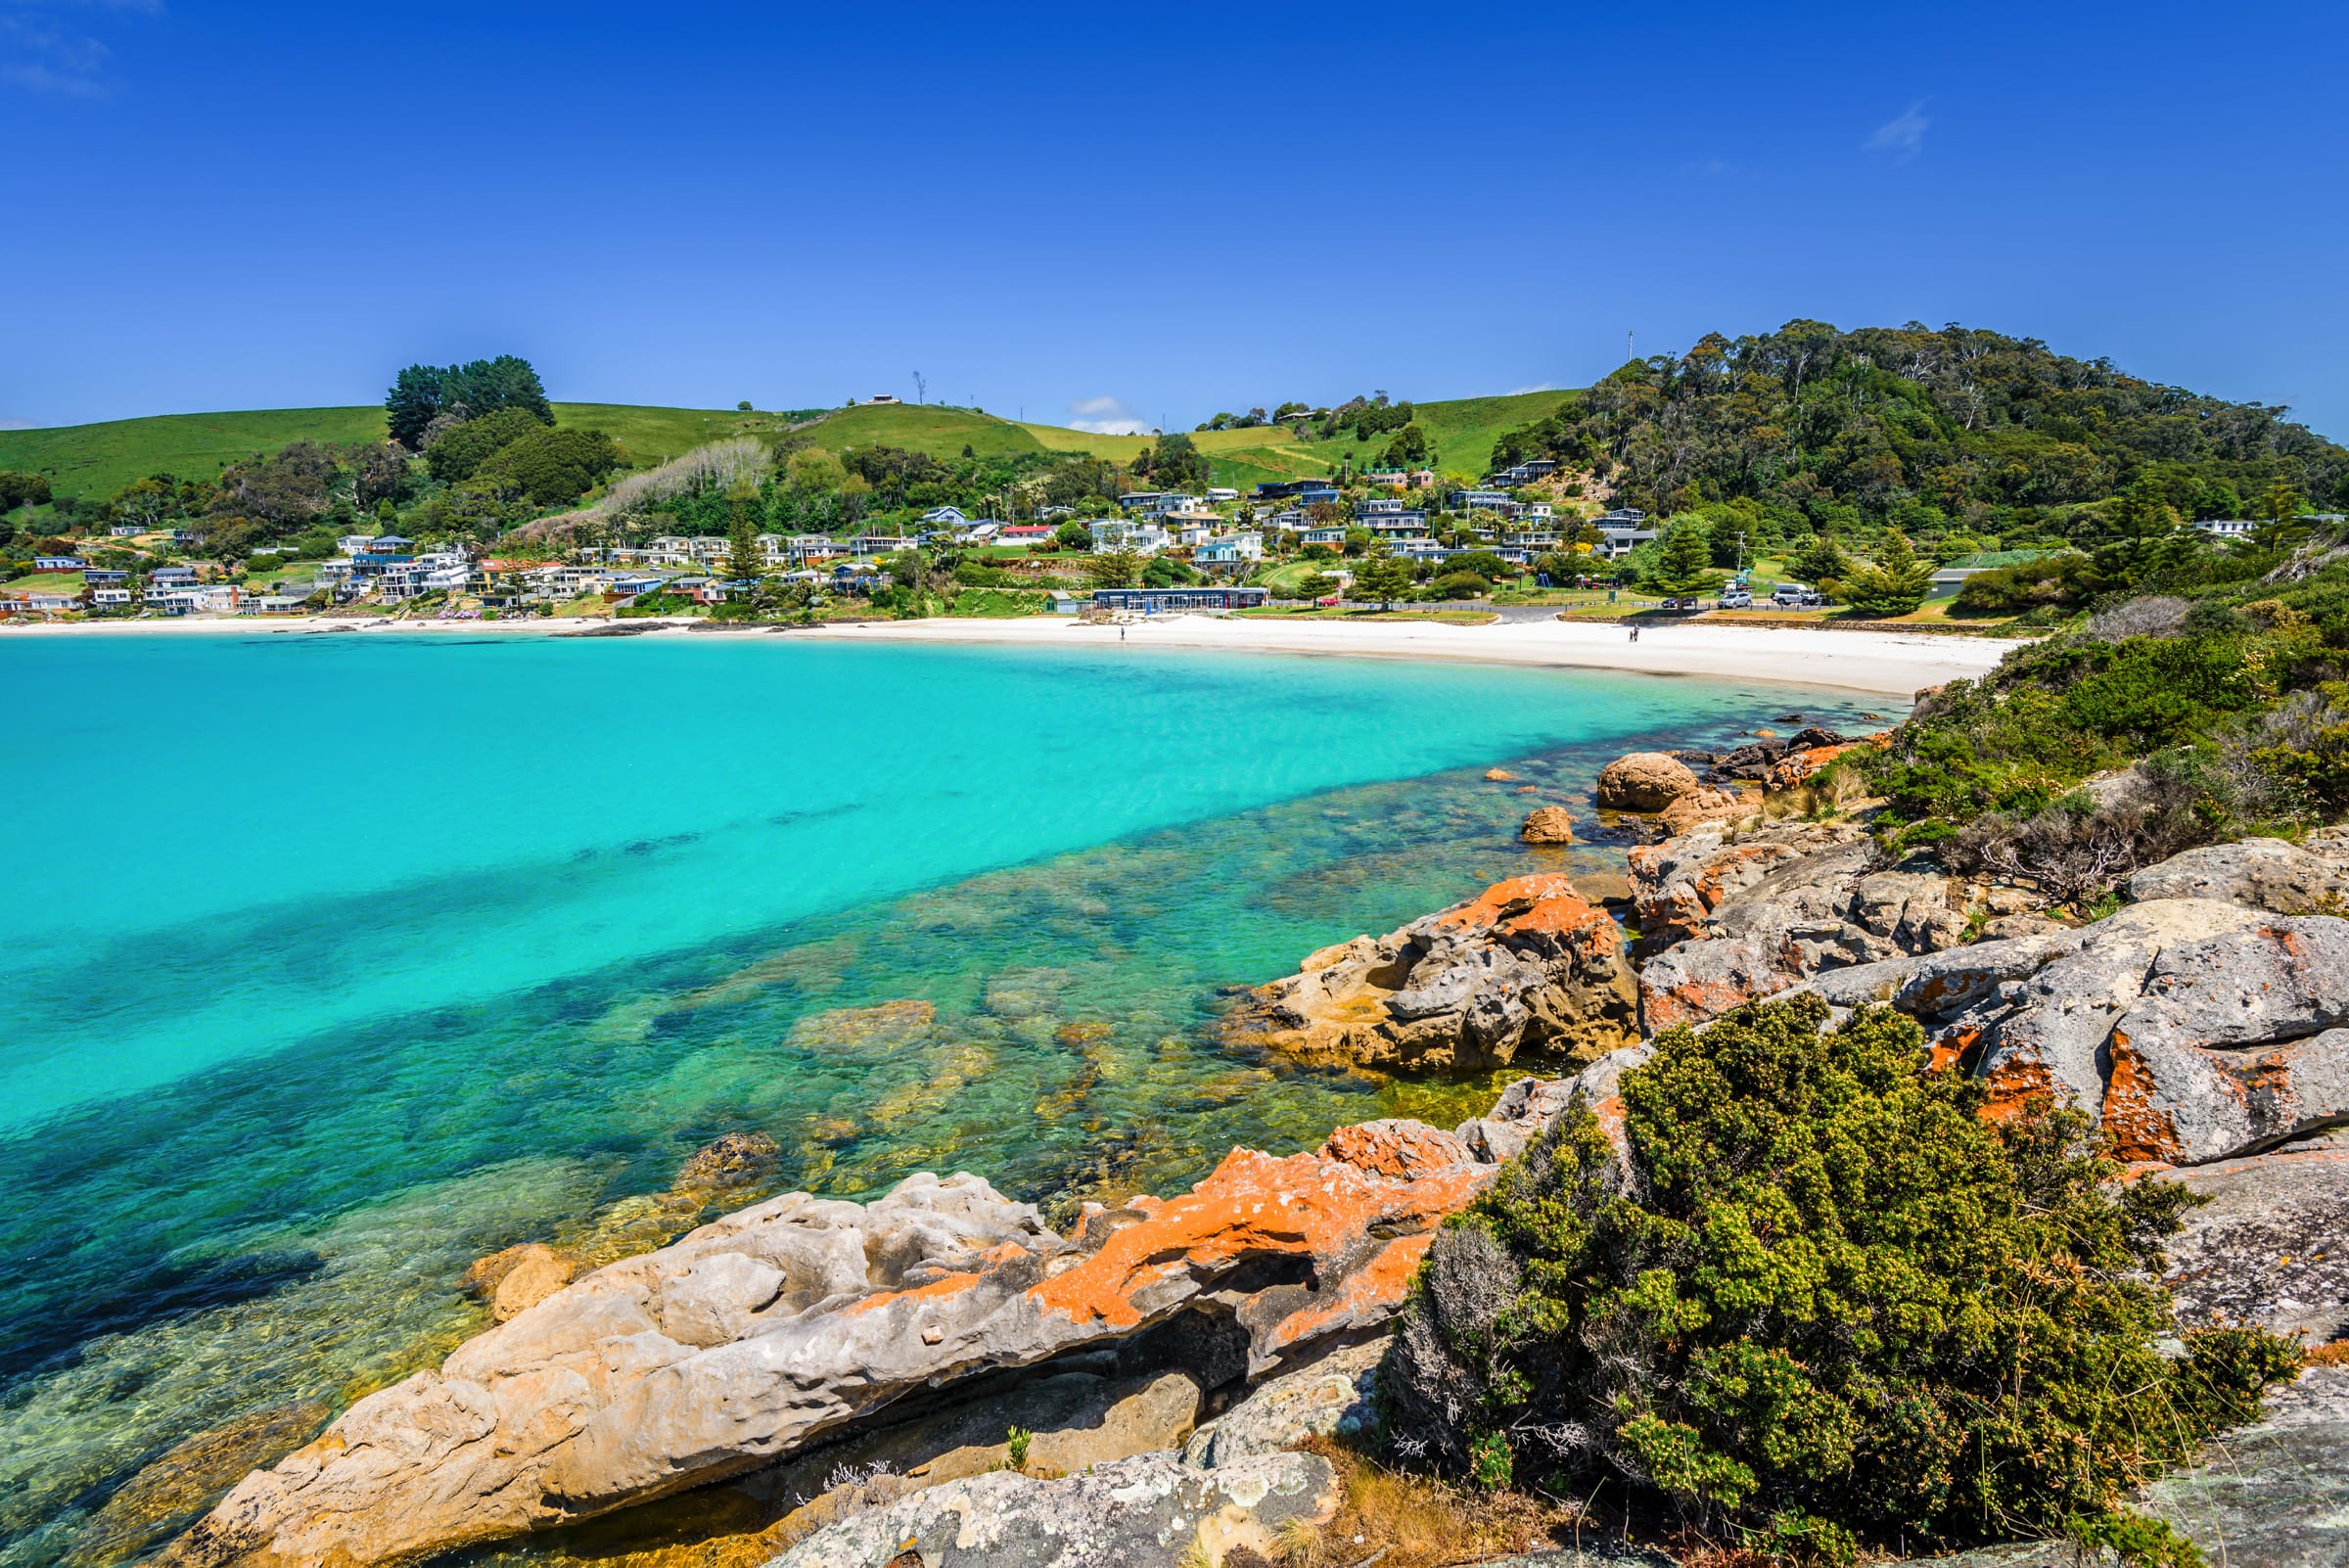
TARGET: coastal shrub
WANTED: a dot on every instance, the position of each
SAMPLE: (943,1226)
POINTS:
(1815,1300)
(2088,843)
(2058,581)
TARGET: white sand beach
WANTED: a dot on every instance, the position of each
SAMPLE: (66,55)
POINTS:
(1878,663)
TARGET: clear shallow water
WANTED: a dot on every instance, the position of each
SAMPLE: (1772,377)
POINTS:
(338,962)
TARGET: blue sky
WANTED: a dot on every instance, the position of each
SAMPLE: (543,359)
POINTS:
(1108,214)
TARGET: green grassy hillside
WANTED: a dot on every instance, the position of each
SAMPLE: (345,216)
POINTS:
(97,460)
(1462,430)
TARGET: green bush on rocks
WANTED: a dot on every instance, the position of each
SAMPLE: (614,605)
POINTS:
(1815,1299)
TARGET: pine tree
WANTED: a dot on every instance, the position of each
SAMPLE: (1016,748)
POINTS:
(1895,585)
(1682,563)
(1384,575)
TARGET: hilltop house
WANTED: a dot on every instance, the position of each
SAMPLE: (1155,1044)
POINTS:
(946,517)
(59,563)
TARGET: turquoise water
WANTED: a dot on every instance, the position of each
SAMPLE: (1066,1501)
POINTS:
(336,962)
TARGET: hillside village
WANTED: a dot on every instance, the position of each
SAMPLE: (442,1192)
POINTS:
(1986,479)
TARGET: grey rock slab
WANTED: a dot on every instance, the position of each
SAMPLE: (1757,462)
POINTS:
(1149,1511)
(1333,1396)
(2257,873)
(2271,1245)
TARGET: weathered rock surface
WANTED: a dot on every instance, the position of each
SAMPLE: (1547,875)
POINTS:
(518,1278)
(2257,873)
(1678,883)
(2193,1030)
(1332,1397)
(1528,965)
(786,1321)
(1645,781)
(1150,1512)
(1773,908)
(1547,824)
(2272,1245)
(1710,805)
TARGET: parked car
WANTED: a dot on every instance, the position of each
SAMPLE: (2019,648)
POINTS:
(1734,599)
(1794,596)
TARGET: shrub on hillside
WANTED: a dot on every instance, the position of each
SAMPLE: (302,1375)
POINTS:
(459,452)
(2052,581)
(545,465)
(1816,1297)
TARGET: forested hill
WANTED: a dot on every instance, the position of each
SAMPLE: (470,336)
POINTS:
(1916,426)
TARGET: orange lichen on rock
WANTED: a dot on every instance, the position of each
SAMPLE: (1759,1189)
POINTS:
(2132,1120)
(2013,1086)
(1311,1206)
(1369,1295)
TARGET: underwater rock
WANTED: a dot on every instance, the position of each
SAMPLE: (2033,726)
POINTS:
(1547,824)
(878,1030)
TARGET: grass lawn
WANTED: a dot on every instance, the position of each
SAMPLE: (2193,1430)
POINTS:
(44,582)
(1462,429)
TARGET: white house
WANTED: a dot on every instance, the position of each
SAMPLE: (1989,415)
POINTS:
(2232,528)
(1119,533)
(1232,550)
(946,517)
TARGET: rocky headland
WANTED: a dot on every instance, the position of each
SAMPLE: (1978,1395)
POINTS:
(946,1379)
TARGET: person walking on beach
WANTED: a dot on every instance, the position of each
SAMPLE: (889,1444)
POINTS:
(1635,634)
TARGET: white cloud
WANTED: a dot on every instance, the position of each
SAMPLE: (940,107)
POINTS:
(39,56)
(17,424)
(1105,416)
(1903,136)
(1539,385)
(1710,169)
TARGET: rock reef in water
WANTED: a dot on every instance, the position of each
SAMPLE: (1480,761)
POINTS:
(1527,966)
(775,1325)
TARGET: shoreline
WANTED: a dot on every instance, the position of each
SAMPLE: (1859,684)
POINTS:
(1878,663)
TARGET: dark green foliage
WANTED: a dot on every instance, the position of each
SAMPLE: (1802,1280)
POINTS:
(1459,585)
(1816,1297)
(1173,463)
(1815,420)
(1408,449)
(2064,580)
(2228,719)
(543,464)
(1681,560)
(23,489)
(1894,585)
(458,453)
(1166,571)
(423,393)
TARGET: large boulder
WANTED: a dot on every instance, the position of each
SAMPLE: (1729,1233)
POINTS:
(1149,1511)
(2193,1030)
(1645,781)
(1527,966)
(1678,883)
(2257,873)
(789,1319)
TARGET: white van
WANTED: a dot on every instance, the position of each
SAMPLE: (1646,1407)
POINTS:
(1794,596)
